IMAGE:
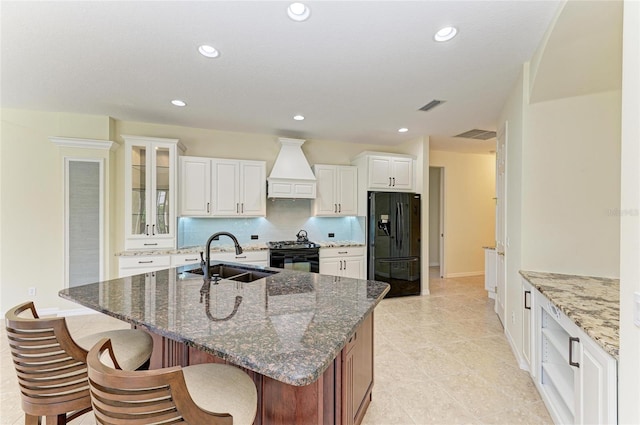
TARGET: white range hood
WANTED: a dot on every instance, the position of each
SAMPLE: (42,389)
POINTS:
(291,176)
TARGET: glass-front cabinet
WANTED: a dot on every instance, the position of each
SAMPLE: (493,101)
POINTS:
(150,192)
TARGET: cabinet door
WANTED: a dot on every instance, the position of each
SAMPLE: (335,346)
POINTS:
(353,267)
(597,389)
(325,202)
(137,181)
(195,186)
(357,373)
(225,175)
(402,173)
(331,266)
(346,190)
(163,189)
(380,172)
(253,199)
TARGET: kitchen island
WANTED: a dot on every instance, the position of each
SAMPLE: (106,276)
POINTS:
(306,339)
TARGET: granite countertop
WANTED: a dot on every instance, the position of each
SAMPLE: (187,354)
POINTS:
(228,248)
(289,326)
(593,303)
(194,250)
(341,244)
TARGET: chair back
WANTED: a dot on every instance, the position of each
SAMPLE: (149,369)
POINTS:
(142,397)
(51,367)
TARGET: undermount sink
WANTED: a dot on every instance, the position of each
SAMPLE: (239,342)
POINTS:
(234,273)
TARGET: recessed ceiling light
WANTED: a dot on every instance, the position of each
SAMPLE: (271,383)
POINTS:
(445,34)
(178,102)
(298,117)
(298,12)
(403,130)
(208,51)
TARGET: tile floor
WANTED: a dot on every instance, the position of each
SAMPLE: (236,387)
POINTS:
(439,359)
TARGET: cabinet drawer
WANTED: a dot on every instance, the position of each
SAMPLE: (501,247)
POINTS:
(245,257)
(178,260)
(350,251)
(144,261)
(149,243)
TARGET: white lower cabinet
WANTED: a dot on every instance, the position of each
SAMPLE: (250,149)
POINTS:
(344,262)
(137,264)
(179,260)
(576,378)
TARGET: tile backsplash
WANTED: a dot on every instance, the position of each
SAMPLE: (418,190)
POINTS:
(285,217)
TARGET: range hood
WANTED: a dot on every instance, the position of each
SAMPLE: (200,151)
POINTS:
(291,176)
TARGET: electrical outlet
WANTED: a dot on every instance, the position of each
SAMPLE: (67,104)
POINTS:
(254,237)
(31,292)
(332,235)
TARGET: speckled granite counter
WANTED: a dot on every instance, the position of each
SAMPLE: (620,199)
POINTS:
(289,326)
(340,244)
(593,303)
(193,250)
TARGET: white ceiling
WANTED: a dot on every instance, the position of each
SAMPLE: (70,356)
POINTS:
(357,70)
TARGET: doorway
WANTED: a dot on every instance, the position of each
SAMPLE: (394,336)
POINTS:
(436,220)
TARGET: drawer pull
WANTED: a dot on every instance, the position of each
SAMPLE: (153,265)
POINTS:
(241,256)
(343,252)
(190,259)
(527,307)
(572,339)
(145,262)
(151,244)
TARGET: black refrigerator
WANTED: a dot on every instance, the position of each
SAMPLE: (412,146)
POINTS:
(393,236)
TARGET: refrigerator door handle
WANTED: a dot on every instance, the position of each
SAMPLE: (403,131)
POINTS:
(398,228)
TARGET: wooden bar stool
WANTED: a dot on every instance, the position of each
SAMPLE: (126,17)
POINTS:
(51,366)
(216,394)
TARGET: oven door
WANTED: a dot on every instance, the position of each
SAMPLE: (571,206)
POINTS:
(304,260)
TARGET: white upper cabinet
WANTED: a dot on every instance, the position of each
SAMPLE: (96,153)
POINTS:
(390,173)
(211,187)
(150,192)
(337,187)
(195,186)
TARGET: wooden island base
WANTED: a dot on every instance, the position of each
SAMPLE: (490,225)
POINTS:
(340,396)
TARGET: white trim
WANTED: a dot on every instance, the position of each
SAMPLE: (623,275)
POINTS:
(521,361)
(67,161)
(70,142)
(465,274)
(142,139)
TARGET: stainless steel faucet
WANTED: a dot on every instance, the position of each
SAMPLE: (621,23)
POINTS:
(207,263)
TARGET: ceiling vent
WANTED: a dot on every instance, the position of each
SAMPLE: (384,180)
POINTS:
(478,134)
(431,105)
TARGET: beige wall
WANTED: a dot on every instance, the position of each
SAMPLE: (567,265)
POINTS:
(434,216)
(32,207)
(571,186)
(469,209)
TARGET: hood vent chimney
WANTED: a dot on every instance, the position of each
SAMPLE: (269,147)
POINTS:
(291,176)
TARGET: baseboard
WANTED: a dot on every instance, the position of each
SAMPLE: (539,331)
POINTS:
(491,295)
(434,264)
(465,274)
(521,361)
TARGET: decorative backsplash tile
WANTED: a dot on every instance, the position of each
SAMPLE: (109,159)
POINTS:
(285,217)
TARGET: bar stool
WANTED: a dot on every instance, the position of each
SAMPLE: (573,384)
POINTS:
(51,365)
(210,393)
